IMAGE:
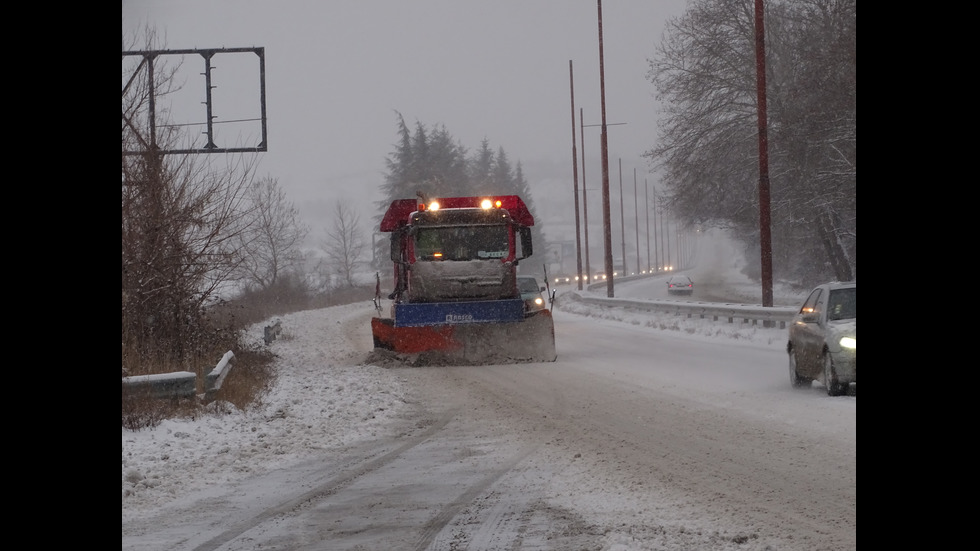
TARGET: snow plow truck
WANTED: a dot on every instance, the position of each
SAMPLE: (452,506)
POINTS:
(455,296)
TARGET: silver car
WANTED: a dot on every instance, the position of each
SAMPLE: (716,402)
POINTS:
(680,285)
(823,338)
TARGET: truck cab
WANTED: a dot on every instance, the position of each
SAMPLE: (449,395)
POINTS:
(456,289)
(460,249)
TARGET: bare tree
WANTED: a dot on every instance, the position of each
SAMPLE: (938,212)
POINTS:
(344,243)
(180,243)
(273,236)
(182,218)
(708,146)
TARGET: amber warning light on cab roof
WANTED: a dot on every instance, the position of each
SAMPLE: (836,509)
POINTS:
(485,204)
(401,209)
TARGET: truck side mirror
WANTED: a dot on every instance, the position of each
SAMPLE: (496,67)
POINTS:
(526,248)
(396,246)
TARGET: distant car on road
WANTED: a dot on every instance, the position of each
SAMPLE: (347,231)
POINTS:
(822,341)
(532,293)
(561,278)
(680,285)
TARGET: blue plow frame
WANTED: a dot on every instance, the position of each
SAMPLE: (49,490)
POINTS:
(459,313)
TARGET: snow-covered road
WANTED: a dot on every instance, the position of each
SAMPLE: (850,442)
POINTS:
(648,433)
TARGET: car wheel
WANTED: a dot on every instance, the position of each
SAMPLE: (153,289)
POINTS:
(834,387)
(795,378)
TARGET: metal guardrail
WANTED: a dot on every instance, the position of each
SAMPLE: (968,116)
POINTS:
(743,313)
(179,384)
(183,384)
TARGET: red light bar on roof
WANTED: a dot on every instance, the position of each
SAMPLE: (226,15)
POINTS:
(401,209)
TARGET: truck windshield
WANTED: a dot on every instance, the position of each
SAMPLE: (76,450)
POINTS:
(461,243)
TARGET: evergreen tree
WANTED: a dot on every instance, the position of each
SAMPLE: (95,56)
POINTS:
(398,180)
(522,189)
(446,166)
(481,166)
(502,177)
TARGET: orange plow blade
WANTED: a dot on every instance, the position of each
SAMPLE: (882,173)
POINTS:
(531,340)
(412,340)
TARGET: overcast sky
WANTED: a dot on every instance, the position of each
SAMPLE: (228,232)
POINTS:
(337,71)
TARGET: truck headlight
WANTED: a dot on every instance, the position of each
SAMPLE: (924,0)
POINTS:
(848,342)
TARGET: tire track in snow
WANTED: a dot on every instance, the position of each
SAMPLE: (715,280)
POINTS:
(286,508)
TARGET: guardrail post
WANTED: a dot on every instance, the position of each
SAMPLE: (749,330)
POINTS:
(272,331)
(214,379)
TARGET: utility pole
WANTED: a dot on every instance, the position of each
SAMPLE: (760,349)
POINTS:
(578,239)
(765,237)
(606,226)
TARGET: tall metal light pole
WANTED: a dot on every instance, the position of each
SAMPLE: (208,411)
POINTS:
(656,241)
(578,239)
(622,217)
(636,223)
(585,199)
(680,252)
(585,221)
(585,195)
(663,213)
(606,226)
(646,191)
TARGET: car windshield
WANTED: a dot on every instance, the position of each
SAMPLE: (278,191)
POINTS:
(528,285)
(842,304)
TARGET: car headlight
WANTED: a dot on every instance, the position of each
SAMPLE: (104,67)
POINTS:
(538,301)
(849,342)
